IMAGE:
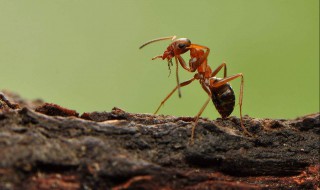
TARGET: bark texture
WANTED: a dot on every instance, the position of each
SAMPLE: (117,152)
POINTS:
(45,146)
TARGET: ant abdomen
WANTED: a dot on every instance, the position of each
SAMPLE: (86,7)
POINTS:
(223,99)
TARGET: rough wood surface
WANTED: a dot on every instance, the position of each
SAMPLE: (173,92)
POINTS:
(45,146)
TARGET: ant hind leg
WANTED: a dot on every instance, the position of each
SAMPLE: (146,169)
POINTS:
(224,81)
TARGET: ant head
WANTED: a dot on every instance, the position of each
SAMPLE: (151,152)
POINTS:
(181,45)
(177,47)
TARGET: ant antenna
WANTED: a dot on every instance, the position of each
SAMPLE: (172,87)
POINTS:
(158,39)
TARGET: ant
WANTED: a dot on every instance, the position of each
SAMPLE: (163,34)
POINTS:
(218,89)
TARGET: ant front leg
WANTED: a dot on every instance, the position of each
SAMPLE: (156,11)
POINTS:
(224,81)
(184,65)
(195,61)
(157,57)
(169,95)
(177,77)
(197,55)
(177,68)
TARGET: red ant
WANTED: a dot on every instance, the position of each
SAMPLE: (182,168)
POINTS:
(218,89)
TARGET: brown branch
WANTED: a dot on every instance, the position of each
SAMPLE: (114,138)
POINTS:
(51,147)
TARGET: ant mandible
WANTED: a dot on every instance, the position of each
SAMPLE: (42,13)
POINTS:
(218,89)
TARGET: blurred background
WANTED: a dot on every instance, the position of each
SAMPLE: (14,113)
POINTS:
(84,54)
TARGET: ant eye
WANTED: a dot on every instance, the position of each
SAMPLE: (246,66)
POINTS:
(181,46)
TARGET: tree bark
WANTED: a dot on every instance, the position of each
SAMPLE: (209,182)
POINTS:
(45,146)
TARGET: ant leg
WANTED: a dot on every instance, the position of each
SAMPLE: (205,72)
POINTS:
(156,57)
(183,64)
(198,62)
(224,81)
(197,119)
(215,72)
(177,77)
(168,96)
(205,88)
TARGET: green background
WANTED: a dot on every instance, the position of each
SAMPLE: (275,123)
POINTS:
(84,54)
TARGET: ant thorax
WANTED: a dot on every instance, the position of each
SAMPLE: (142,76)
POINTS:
(192,61)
